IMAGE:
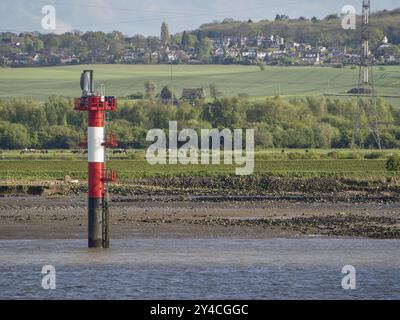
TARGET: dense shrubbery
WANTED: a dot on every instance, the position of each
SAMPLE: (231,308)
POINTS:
(313,122)
(393,163)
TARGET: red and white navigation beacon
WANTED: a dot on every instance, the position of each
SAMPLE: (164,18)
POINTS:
(97,141)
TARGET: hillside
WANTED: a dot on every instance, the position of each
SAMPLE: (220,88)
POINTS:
(285,41)
(327,32)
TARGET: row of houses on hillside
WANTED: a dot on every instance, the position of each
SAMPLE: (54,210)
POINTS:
(271,50)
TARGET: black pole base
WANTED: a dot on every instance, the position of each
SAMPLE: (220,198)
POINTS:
(95,225)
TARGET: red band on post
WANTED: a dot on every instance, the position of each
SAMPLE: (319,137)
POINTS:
(96,179)
(96,119)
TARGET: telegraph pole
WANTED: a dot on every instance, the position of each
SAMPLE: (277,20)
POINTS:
(172,92)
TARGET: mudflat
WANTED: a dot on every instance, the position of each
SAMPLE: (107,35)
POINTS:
(141,216)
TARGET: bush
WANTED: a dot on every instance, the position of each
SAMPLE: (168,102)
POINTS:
(338,155)
(344,155)
(354,156)
(295,156)
(393,163)
(333,155)
(374,155)
(135,96)
(273,156)
(135,156)
(312,155)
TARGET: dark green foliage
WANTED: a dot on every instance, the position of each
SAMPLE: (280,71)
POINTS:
(13,135)
(166,93)
(311,122)
(393,163)
(374,155)
(28,124)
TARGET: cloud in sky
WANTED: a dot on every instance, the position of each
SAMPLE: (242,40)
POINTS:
(145,17)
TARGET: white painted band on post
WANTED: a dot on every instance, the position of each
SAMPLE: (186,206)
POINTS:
(95,147)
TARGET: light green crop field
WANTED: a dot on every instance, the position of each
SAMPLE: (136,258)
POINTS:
(122,80)
(129,169)
(290,163)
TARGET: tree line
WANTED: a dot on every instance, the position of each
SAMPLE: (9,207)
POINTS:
(99,47)
(312,122)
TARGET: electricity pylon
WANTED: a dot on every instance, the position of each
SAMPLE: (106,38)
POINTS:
(366,94)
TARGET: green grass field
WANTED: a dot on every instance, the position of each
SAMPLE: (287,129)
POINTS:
(293,163)
(122,80)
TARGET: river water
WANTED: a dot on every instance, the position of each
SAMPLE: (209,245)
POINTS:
(201,269)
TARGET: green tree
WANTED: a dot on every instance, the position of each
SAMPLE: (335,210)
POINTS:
(263,137)
(165,35)
(160,115)
(300,136)
(261,65)
(38,45)
(123,129)
(204,50)
(332,16)
(227,113)
(150,91)
(69,40)
(51,42)
(326,135)
(186,113)
(166,93)
(393,163)
(214,92)
(97,43)
(38,119)
(61,137)
(116,49)
(176,39)
(14,136)
(81,50)
(188,40)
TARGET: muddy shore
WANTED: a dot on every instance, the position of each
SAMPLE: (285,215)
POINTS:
(183,216)
(226,206)
(226,188)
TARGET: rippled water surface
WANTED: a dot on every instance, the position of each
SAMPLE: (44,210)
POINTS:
(201,269)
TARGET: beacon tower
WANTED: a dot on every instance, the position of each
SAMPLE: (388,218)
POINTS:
(97,141)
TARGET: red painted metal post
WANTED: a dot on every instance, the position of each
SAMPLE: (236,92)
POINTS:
(96,155)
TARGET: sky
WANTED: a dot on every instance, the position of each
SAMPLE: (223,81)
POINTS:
(145,17)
